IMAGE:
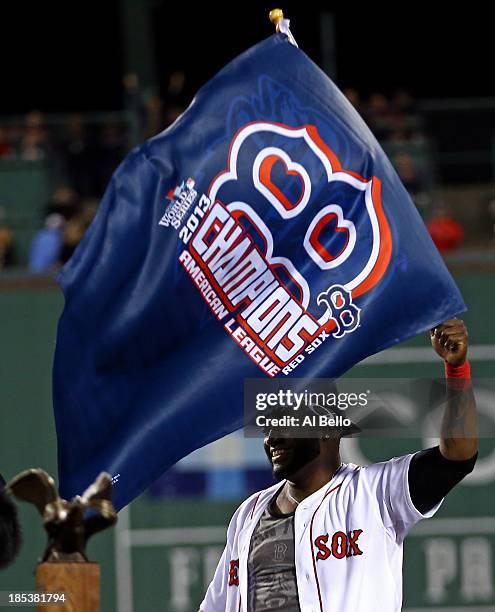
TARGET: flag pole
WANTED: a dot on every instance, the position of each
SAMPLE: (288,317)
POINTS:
(276,16)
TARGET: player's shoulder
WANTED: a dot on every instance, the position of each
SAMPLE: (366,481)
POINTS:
(376,470)
(249,505)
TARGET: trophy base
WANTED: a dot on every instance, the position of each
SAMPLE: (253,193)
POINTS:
(80,582)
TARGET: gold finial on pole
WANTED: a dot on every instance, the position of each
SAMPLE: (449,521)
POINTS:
(276,16)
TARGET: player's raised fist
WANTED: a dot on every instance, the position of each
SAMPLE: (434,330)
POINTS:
(450,341)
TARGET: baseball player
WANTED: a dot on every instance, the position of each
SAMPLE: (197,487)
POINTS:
(10,534)
(329,535)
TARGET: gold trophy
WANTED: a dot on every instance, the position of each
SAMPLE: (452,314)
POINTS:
(64,566)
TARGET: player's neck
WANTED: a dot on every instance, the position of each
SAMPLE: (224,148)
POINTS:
(313,476)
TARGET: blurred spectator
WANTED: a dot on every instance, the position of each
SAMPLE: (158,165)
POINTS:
(46,246)
(176,88)
(379,116)
(34,143)
(134,105)
(77,154)
(112,147)
(446,233)
(394,121)
(88,212)
(176,98)
(399,133)
(146,108)
(74,231)
(89,152)
(404,106)
(6,148)
(7,246)
(413,180)
(64,201)
(153,112)
(403,102)
(408,173)
(76,228)
(354,98)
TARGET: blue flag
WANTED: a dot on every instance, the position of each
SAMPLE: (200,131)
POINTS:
(264,234)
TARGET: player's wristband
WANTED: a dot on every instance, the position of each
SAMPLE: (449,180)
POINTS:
(460,371)
(458,377)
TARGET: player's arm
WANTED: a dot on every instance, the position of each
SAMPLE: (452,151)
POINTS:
(216,595)
(10,534)
(434,472)
(459,433)
(225,584)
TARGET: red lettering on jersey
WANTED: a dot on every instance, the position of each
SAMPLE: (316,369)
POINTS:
(339,545)
(354,549)
(323,551)
(233,573)
(342,545)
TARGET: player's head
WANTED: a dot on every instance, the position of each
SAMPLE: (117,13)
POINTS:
(291,457)
(294,452)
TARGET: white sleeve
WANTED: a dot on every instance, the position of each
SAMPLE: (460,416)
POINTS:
(389,483)
(216,596)
(225,578)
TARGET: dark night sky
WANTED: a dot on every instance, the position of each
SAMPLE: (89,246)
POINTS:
(66,57)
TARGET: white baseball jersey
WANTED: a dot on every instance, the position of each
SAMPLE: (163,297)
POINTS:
(348,539)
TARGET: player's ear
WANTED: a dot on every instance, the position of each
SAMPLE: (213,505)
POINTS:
(334,435)
(330,443)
